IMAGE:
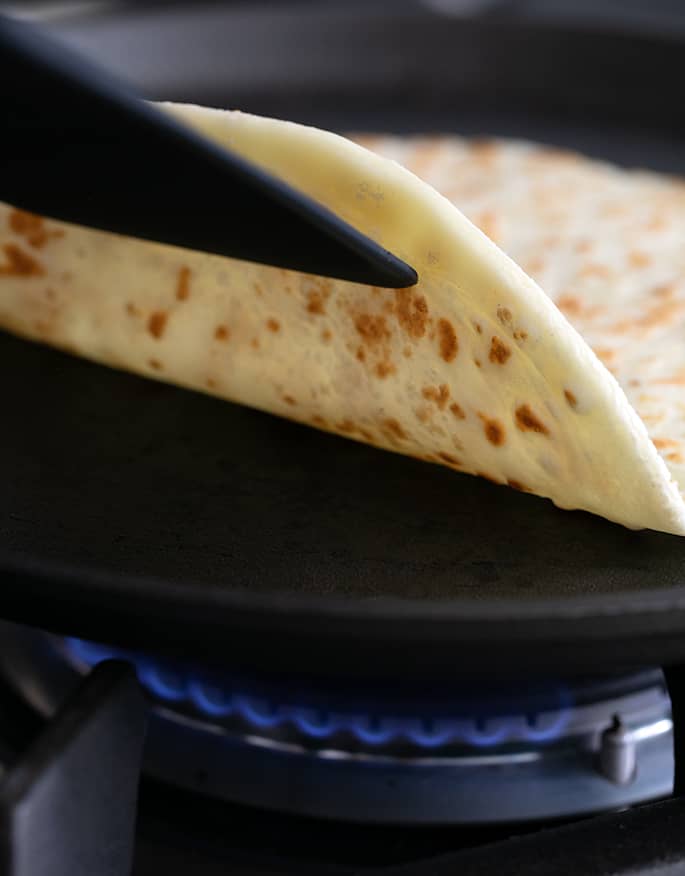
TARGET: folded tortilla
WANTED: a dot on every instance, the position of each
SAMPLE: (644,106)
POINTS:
(475,368)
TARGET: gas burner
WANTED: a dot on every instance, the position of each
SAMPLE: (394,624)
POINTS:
(396,753)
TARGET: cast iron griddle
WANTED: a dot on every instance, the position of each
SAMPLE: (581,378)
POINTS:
(138,512)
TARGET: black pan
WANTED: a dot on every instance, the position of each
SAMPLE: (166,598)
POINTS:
(139,513)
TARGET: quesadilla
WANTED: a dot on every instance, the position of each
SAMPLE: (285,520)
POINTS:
(572,393)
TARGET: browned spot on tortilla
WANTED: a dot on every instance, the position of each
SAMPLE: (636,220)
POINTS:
(407,352)
(326,335)
(317,290)
(273,325)
(677,379)
(366,435)
(447,340)
(368,141)
(155,363)
(447,457)
(663,313)
(383,369)
(554,155)
(319,421)
(503,314)
(527,421)
(517,485)
(639,259)
(494,430)
(391,425)
(499,352)
(656,223)
(19,263)
(24,223)
(412,312)
(373,329)
(664,290)
(569,305)
(316,302)
(183,283)
(259,292)
(535,265)
(156,323)
(458,411)
(438,394)
(476,362)
(662,443)
(132,309)
(488,223)
(605,354)
(254,343)
(478,327)
(675,456)
(570,398)
(289,400)
(583,246)
(361,354)
(484,152)
(633,382)
(594,269)
(32,227)
(222,333)
(346,426)
(423,414)
(42,327)
(520,335)
(210,383)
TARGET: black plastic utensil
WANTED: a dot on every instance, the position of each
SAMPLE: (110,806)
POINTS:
(78,146)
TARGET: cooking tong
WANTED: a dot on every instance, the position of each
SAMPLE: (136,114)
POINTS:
(79,146)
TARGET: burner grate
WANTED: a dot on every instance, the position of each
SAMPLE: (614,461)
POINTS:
(397,753)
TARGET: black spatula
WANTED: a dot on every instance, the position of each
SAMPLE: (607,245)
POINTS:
(76,145)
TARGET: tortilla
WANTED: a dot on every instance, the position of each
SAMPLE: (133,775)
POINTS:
(474,368)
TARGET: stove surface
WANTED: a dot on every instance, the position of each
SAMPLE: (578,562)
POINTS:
(183,827)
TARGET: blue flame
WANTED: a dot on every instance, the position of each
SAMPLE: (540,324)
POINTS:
(494,733)
(433,734)
(258,712)
(89,652)
(318,725)
(371,730)
(210,699)
(165,685)
(174,684)
(562,715)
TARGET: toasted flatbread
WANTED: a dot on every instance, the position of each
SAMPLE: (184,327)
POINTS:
(475,368)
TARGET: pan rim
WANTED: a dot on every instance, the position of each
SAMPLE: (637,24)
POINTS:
(93,581)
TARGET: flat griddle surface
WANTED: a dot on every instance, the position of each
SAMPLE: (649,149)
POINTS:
(139,479)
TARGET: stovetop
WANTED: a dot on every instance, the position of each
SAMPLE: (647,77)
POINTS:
(177,829)
(80,772)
